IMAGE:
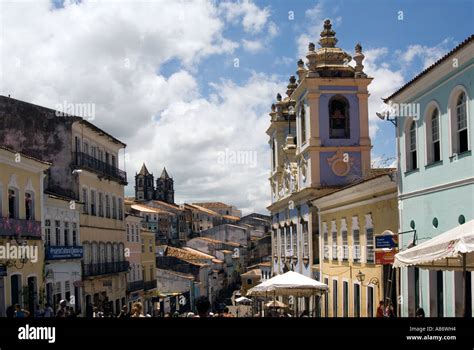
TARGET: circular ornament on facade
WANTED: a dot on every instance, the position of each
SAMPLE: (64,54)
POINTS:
(461,219)
(340,168)
(435,222)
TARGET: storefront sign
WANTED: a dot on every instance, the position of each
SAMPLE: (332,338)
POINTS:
(63,252)
(385,257)
(386,241)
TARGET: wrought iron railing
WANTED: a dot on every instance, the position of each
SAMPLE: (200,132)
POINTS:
(20,228)
(105,268)
(86,161)
(150,285)
(135,285)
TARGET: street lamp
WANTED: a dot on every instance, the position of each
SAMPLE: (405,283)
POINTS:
(361,278)
(386,116)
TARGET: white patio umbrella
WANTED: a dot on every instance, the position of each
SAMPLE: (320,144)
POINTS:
(243,300)
(289,283)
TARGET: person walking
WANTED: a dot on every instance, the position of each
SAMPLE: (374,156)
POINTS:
(48,311)
(124,312)
(137,310)
(389,311)
(420,312)
(20,312)
(62,311)
(380,310)
(202,306)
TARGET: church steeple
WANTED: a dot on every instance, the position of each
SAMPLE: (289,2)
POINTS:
(164,188)
(164,174)
(144,171)
(144,189)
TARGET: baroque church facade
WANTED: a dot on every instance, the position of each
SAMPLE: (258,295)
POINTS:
(319,140)
(145,189)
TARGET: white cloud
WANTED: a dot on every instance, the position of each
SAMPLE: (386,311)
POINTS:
(252,46)
(252,17)
(426,54)
(193,136)
(284,60)
(386,80)
(109,53)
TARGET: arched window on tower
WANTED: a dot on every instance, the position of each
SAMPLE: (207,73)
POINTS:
(339,118)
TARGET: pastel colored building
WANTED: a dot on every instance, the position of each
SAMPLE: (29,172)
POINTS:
(148,264)
(63,251)
(319,139)
(21,197)
(133,252)
(350,219)
(85,167)
(436,168)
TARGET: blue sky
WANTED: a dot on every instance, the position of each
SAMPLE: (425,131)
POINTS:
(162,73)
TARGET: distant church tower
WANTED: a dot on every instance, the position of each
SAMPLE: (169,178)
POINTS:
(144,189)
(164,188)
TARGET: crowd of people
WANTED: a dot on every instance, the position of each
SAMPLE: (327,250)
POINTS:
(16,311)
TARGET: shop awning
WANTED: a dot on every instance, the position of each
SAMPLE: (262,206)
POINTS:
(447,251)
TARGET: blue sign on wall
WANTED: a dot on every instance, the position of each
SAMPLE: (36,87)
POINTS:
(386,241)
(64,252)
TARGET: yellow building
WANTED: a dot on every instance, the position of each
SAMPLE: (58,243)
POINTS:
(21,192)
(101,190)
(350,218)
(85,168)
(148,263)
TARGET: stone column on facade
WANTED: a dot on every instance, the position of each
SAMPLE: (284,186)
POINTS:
(314,132)
(314,168)
(364,138)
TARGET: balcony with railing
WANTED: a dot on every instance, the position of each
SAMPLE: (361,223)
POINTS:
(150,285)
(20,228)
(105,268)
(134,286)
(83,160)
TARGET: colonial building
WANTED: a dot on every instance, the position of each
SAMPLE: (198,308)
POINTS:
(203,218)
(63,251)
(154,219)
(21,246)
(435,162)
(133,252)
(148,264)
(84,167)
(145,189)
(319,139)
(221,208)
(350,219)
